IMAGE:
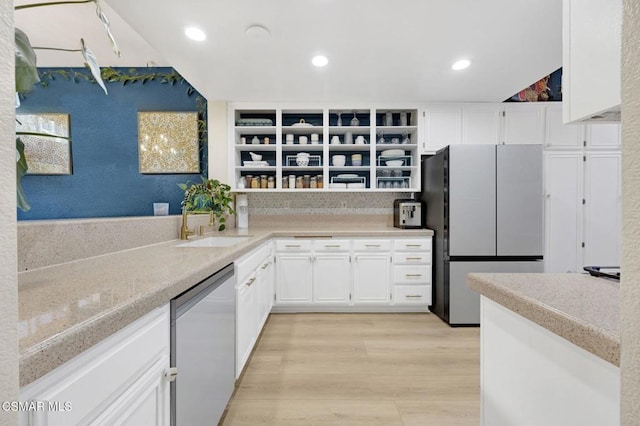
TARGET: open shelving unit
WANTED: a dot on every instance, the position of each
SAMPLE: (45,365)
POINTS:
(323,132)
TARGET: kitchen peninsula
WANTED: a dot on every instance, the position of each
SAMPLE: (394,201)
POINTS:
(550,349)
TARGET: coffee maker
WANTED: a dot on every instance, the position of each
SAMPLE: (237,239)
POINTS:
(242,211)
(407,214)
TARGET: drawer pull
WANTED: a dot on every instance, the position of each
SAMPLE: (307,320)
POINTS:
(332,245)
(372,245)
(414,258)
(265,265)
(293,245)
(412,275)
(413,296)
(413,245)
(250,282)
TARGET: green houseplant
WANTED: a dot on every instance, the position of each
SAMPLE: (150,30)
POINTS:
(210,195)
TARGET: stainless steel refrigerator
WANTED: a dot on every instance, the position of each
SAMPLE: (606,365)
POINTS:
(484,203)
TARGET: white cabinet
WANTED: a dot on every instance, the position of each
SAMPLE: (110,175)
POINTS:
(523,124)
(563,207)
(371,278)
(264,291)
(591,58)
(412,274)
(443,126)
(121,380)
(582,210)
(294,278)
(558,134)
(331,278)
(602,209)
(603,136)
(481,124)
(246,321)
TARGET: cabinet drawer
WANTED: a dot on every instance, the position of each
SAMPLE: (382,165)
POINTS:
(412,294)
(371,245)
(413,244)
(412,274)
(423,258)
(293,246)
(250,261)
(330,245)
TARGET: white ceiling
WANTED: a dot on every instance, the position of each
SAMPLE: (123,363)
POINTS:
(378,50)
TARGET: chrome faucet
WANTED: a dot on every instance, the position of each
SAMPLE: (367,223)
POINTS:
(184,229)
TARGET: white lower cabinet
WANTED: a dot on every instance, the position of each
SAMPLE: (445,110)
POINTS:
(254,296)
(121,380)
(331,278)
(371,278)
(295,278)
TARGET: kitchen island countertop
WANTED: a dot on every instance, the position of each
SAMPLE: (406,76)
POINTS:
(65,309)
(579,308)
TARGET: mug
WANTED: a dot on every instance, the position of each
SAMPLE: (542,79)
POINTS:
(289,137)
(315,137)
(360,140)
(302,140)
(243,140)
(335,140)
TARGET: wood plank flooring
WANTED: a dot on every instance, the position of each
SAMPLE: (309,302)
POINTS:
(360,369)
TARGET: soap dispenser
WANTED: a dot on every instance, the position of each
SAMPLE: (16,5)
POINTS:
(242,211)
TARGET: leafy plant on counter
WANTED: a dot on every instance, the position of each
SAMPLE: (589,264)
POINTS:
(210,195)
(26,75)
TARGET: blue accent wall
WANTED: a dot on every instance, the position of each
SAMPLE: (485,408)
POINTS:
(104,131)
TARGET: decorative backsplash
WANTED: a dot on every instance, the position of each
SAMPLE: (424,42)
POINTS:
(282,203)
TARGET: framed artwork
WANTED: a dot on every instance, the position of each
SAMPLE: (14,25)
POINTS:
(168,142)
(46,155)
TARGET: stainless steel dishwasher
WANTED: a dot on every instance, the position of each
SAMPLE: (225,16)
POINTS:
(203,350)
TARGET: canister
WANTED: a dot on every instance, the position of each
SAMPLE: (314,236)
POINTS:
(271,182)
(292,181)
(313,182)
(306,181)
(255,182)
(285,182)
(299,183)
(319,181)
(263,181)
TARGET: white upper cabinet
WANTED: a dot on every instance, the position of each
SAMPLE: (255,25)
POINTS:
(558,134)
(523,124)
(443,126)
(603,135)
(591,59)
(481,124)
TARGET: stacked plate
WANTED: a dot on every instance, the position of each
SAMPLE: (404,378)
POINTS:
(392,157)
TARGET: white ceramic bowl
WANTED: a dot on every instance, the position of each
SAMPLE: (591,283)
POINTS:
(302,161)
(255,157)
(394,163)
(339,160)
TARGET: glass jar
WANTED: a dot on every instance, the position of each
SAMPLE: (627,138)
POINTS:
(306,181)
(271,182)
(299,182)
(313,182)
(319,181)
(263,181)
(292,181)
(255,182)
(285,182)
(247,181)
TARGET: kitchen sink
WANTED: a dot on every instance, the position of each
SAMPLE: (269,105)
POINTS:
(215,242)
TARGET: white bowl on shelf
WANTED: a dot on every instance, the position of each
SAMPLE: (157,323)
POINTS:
(394,163)
(339,160)
(392,153)
(302,161)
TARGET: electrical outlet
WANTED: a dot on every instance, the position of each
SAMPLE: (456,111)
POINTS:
(286,204)
(343,204)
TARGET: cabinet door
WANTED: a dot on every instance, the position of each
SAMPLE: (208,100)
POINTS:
(294,278)
(563,204)
(371,278)
(603,135)
(558,134)
(263,296)
(331,279)
(523,124)
(481,124)
(443,126)
(246,322)
(602,209)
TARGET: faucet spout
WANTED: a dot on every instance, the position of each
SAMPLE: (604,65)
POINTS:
(184,229)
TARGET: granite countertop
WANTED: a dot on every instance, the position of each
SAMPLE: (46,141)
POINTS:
(65,309)
(584,310)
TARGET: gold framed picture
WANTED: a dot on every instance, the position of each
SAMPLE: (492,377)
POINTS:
(168,142)
(46,155)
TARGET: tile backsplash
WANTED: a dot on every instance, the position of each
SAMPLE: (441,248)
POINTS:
(282,203)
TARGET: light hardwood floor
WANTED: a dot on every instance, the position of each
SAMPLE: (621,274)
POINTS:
(360,369)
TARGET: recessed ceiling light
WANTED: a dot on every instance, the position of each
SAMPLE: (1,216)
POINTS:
(257,32)
(461,64)
(195,34)
(319,61)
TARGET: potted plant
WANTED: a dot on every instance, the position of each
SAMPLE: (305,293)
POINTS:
(208,196)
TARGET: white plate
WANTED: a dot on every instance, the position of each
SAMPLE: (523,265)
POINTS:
(337,185)
(392,153)
(347,175)
(355,185)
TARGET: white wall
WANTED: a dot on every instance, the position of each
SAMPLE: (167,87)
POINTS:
(630,285)
(218,156)
(8,245)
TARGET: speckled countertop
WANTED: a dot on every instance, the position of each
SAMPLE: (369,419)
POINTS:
(67,308)
(578,307)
